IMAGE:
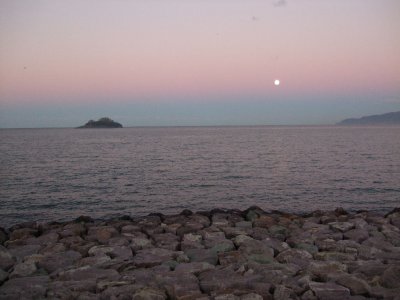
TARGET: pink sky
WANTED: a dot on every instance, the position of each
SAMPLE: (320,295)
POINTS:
(132,50)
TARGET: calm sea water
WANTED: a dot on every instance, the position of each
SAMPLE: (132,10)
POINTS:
(59,174)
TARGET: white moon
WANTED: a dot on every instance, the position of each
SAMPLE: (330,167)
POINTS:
(277,82)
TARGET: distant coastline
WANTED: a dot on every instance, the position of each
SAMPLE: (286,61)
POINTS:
(102,123)
(391,118)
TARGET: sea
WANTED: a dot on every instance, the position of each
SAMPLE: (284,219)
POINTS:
(60,174)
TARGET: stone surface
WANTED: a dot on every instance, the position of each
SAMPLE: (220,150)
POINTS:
(330,291)
(220,254)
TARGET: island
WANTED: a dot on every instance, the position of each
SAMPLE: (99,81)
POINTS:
(392,118)
(102,123)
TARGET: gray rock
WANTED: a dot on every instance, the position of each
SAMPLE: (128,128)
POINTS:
(25,288)
(244,224)
(88,272)
(55,261)
(139,243)
(283,293)
(341,226)
(329,291)
(251,296)
(101,233)
(276,244)
(356,285)
(23,233)
(357,235)
(222,280)
(3,276)
(321,269)
(391,277)
(308,295)
(202,255)
(6,259)
(151,257)
(295,256)
(70,289)
(166,241)
(264,221)
(180,287)
(194,268)
(149,294)
(23,269)
(44,239)
(22,251)
(335,256)
(72,229)
(231,257)
(121,252)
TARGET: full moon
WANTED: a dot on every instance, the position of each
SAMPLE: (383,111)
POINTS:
(277,82)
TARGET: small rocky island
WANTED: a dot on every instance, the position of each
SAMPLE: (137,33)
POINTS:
(392,118)
(102,123)
(212,255)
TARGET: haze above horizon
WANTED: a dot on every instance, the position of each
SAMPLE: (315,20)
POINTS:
(166,63)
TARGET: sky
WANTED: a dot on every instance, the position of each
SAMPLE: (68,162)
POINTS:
(197,62)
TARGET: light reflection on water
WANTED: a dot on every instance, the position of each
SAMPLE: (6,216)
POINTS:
(59,174)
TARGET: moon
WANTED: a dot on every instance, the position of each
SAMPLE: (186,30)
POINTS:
(277,82)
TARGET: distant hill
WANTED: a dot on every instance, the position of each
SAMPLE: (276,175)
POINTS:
(392,118)
(102,123)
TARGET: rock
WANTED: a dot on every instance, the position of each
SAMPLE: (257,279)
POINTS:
(391,277)
(70,289)
(335,256)
(166,241)
(23,269)
(264,221)
(242,239)
(231,257)
(283,293)
(276,244)
(44,240)
(22,251)
(191,241)
(23,233)
(295,256)
(308,295)
(73,229)
(257,251)
(55,261)
(6,259)
(180,287)
(341,226)
(25,288)
(357,235)
(194,268)
(88,272)
(251,296)
(83,219)
(321,269)
(202,255)
(3,236)
(310,248)
(356,285)
(244,224)
(140,243)
(151,257)
(149,294)
(329,291)
(121,252)
(3,276)
(231,232)
(101,233)
(223,246)
(222,280)
(278,231)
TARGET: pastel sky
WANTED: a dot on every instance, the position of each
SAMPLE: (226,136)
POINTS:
(197,62)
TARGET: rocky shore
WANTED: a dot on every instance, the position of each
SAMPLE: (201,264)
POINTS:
(220,254)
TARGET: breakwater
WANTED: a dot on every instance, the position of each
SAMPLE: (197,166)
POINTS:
(218,254)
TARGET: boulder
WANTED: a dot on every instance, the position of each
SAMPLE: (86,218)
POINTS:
(23,269)
(25,288)
(101,233)
(151,257)
(329,291)
(202,255)
(6,259)
(60,260)
(194,267)
(88,272)
(391,277)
